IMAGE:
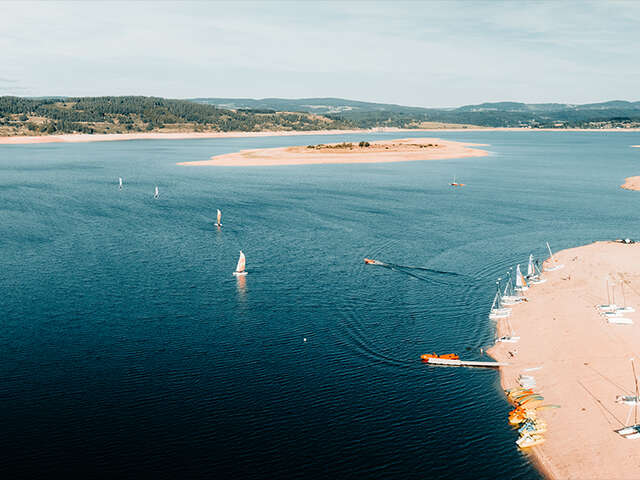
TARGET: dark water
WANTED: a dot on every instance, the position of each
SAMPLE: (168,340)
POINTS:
(127,348)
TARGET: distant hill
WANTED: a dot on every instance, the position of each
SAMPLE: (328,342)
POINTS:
(314,105)
(49,115)
(615,113)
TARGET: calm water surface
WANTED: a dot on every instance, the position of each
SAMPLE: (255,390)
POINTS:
(128,348)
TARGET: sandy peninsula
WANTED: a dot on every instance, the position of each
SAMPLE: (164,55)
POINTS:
(401,150)
(631,183)
(581,362)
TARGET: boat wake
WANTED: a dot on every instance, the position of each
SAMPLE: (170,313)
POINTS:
(429,275)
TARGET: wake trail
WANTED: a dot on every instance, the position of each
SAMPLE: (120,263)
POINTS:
(424,269)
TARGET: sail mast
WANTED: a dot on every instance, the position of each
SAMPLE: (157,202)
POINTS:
(635,404)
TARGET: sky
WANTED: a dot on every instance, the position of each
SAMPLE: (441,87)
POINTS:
(419,53)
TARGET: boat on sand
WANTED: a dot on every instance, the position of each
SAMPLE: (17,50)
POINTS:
(530,440)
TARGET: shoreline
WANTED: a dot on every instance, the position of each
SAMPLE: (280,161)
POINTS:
(111,137)
(581,361)
(381,151)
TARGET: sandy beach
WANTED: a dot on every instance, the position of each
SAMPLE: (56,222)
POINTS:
(82,137)
(400,150)
(582,361)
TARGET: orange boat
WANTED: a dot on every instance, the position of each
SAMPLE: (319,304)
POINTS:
(369,261)
(447,356)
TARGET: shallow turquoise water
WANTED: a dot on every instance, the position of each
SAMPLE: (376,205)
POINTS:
(128,348)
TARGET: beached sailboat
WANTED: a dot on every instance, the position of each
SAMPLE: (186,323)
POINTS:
(609,306)
(521,283)
(497,310)
(614,313)
(627,399)
(120,183)
(624,308)
(219,218)
(509,295)
(512,337)
(240,268)
(157,193)
(533,427)
(632,432)
(554,265)
(534,275)
(530,440)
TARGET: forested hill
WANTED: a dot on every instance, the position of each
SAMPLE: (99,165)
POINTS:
(51,115)
(618,113)
(37,116)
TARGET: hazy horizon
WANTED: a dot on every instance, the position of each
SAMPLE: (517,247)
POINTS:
(430,54)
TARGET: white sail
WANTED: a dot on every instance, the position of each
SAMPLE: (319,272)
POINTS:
(521,284)
(157,193)
(241,263)
(553,262)
(530,270)
(120,182)
(219,217)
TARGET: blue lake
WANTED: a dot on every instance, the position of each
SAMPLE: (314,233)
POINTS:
(128,348)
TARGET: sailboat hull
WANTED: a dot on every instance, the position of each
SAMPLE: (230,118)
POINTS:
(239,274)
(553,269)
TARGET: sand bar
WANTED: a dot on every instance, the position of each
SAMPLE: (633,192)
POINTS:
(631,183)
(585,361)
(401,150)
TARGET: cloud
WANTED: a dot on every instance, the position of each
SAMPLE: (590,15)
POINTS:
(419,53)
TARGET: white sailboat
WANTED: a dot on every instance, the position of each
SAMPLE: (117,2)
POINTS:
(530,270)
(534,275)
(509,295)
(609,306)
(157,193)
(521,283)
(553,261)
(624,308)
(218,224)
(456,184)
(240,268)
(120,183)
(632,432)
(497,310)
(512,337)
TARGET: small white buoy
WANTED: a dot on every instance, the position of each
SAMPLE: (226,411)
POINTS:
(305,339)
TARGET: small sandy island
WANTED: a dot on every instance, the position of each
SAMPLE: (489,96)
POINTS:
(580,361)
(631,183)
(402,150)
